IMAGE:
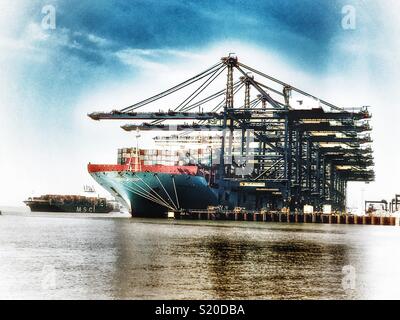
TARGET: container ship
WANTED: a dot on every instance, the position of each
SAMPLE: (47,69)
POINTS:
(153,182)
(69,203)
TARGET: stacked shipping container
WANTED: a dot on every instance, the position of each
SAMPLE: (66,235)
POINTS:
(164,157)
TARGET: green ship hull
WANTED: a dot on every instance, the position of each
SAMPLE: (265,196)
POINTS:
(153,194)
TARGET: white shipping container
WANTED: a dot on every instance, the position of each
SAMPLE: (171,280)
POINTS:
(327,209)
(308,209)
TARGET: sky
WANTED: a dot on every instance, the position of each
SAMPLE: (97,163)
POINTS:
(108,54)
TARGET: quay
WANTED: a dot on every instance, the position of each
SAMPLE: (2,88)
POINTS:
(287,217)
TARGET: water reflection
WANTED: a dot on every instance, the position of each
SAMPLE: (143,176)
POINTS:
(266,268)
(208,261)
(156,259)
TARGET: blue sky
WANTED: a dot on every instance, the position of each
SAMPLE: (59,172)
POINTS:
(187,24)
(110,51)
(301,30)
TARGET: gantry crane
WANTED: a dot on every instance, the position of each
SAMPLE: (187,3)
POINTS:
(298,155)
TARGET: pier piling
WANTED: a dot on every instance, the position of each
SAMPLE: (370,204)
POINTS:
(286,217)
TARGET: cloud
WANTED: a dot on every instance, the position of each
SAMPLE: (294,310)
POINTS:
(153,59)
(97,40)
(34,32)
(185,25)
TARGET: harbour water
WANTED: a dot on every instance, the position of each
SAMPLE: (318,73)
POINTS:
(68,256)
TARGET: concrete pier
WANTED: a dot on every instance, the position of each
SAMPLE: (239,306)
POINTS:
(308,218)
(286,217)
(375,220)
(366,220)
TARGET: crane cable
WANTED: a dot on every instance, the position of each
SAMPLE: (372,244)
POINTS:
(173,89)
(332,106)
